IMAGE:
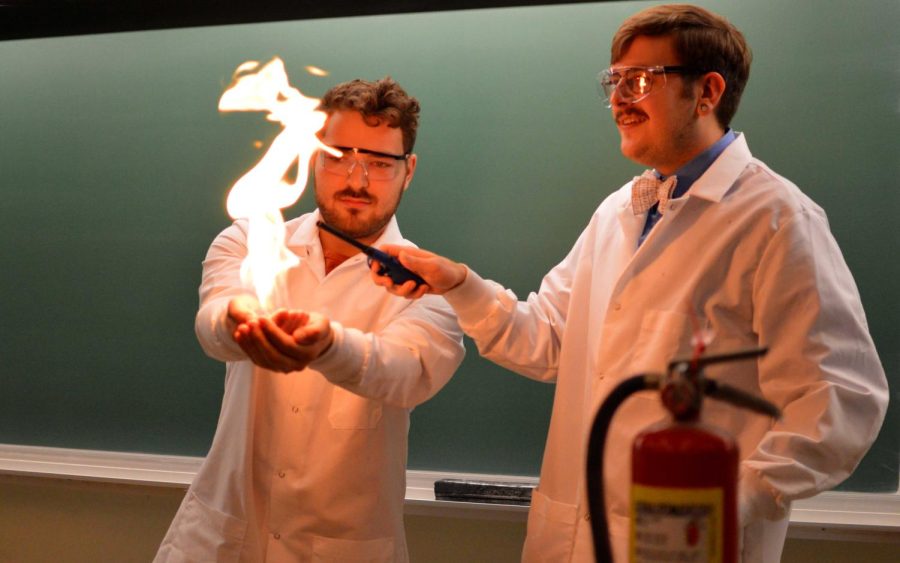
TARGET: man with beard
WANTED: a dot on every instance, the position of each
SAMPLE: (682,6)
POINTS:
(709,238)
(309,456)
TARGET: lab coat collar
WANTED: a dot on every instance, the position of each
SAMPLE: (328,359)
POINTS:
(711,186)
(724,172)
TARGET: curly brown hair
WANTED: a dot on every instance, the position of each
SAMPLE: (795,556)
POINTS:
(702,39)
(382,101)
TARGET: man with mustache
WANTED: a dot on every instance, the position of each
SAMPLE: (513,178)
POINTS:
(309,458)
(709,238)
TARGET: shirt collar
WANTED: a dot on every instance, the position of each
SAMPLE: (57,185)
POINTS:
(690,172)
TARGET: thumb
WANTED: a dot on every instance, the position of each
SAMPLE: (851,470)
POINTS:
(412,261)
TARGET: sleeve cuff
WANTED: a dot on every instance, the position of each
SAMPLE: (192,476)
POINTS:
(344,361)
(756,499)
(214,332)
(472,298)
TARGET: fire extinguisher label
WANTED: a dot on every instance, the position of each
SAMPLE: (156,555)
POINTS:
(678,525)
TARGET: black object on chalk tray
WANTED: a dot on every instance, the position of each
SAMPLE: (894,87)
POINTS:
(483,491)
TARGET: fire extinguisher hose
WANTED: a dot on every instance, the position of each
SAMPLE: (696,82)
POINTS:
(596,442)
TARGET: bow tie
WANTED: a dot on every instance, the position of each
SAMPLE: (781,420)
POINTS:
(647,189)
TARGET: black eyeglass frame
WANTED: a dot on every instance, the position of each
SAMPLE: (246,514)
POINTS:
(356,150)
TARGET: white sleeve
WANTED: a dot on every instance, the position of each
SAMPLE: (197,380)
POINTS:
(523,336)
(403,364)
(822,370)
(220,284)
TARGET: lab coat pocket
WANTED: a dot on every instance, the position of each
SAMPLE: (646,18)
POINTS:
(205,534)
(333,550)
(551,529)
(664,335)
(351,411)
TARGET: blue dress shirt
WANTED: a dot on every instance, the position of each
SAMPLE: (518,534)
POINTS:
(687,175)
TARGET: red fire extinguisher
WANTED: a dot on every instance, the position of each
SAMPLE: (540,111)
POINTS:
(684,472)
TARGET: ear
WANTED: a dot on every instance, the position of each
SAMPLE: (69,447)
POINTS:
(410,170)
(712,87)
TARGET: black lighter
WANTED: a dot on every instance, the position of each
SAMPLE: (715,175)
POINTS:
(388,265)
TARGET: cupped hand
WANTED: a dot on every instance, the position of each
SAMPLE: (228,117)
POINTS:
(285,341)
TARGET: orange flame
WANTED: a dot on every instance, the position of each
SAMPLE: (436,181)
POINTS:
(261,193)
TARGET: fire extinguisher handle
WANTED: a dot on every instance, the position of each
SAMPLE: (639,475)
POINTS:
(697,363)
(740,398)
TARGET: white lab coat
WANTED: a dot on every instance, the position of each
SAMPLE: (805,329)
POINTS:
(311,465)
(752,258)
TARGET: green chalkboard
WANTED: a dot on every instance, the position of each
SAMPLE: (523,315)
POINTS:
(114,165)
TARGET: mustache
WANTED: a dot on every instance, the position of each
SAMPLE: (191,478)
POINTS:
(628,111)
(356,194)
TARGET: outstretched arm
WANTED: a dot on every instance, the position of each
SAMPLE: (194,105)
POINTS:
(523,336)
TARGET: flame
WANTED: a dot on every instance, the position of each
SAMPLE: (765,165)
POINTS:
(316,71)
(261,193)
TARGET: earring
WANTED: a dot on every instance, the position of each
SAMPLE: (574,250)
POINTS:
(703,107)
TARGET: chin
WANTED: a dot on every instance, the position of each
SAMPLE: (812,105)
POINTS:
(633,153)
(359,227)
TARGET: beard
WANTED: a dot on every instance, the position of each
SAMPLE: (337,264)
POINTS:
(352,222)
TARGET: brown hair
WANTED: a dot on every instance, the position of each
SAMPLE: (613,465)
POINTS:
(703,40)
(382,101)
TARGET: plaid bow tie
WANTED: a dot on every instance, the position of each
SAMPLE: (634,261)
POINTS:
(647,189)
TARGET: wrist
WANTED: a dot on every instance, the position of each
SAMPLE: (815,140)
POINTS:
(461,272)
(327,342)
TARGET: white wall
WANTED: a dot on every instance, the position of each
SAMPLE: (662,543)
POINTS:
(48,520)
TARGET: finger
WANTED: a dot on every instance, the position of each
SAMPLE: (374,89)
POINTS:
(242,335)
(242,308)
(318,327)
(429,267)
(392,249)
(408,260)
(420,291)
(281,342)
(266,354)
(307,335)
(282,348)
(405,289)
(237,314)
(289,321)
(396,250)
(280,317)
(376,272)
(384,281)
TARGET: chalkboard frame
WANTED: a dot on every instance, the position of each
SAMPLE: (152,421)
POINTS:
(109,399)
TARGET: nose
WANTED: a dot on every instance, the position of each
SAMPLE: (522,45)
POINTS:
(616,98)
(358,176)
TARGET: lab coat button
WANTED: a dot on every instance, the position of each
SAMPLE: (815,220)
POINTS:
(295,409)
(281,474)
(276,535)
(617,306)
(587,516)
